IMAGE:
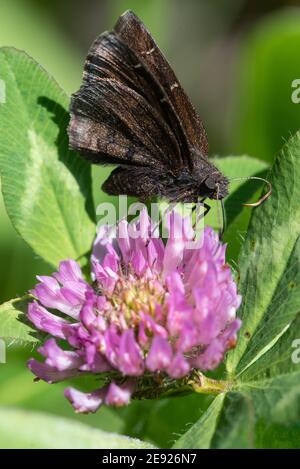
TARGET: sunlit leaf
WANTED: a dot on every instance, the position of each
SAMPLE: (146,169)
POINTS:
(46,187)
(24,429)
(13,326)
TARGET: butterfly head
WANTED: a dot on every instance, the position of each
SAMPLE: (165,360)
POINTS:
(216,185)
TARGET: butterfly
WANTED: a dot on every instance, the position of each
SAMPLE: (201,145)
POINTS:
(131,111)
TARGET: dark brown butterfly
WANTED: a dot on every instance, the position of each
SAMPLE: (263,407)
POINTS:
(132,111)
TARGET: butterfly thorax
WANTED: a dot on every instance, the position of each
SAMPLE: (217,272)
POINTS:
(203,182)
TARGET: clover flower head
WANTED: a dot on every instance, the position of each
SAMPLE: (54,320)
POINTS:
(152,311)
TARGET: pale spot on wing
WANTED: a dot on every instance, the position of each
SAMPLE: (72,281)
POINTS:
(149,52)
(175,85)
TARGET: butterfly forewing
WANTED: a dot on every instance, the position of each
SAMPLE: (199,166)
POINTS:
(109,57)
(115,114)
(134,34)
(130,128)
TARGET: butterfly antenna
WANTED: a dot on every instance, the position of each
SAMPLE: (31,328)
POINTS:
(221,215)
(224,219)
(264,197)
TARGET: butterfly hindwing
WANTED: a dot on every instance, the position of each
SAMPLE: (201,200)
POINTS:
(120,181)
(145,183)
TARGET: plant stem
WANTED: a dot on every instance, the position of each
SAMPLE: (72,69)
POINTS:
(201,384)
(195,382)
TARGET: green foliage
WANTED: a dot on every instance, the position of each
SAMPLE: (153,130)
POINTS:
(265,115)
(262,404)
(12,325)
(29,26)
(237,217)
(269,261)
(153,12)
(20,390)
(46,187)
(201,434)
(239,191)
(18,429)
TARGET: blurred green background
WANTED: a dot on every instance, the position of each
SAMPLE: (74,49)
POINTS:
(236,59)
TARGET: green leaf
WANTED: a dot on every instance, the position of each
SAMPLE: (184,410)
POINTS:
(262,406)
(237,216)
(162,420)
(200,435)
(23,429)
(278,360)
(236,423)
(281,310)
(46,187)
(239,191)
(273,381)
(262,413)
(21,391)
(240,425)
(267,406)
(13,327)
(269,263)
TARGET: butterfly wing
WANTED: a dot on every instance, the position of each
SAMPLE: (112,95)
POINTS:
(140,182)
(109,57)
(134,34)
(132,111)
(149,182)
(115,116)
